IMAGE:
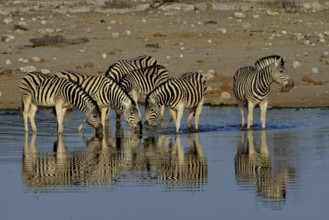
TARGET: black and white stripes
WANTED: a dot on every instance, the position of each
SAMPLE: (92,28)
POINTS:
(38,89)
(187,91)
(251,85)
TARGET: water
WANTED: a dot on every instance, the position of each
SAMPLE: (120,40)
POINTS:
(220,172)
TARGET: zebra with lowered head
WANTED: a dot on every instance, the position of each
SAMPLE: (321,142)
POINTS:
(252,85)
(106,93)
(38,89)
(186,91)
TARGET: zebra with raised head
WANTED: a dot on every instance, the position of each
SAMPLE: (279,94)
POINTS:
(186,91)
(120,68)
(252,86)
(38,89)
(106,93)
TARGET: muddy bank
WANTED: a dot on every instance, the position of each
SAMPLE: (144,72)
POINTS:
(184,37)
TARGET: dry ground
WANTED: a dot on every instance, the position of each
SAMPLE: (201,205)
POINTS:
(198,40)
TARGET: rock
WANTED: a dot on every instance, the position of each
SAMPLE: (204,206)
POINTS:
(239,15)
(27,69)
(314,70)
(36,59)
(271,13)
(225,95)
(45,71)
(7,38)
(142,7)
(296,64)
(22,60)
(7,20)
(8,62)
(115,35)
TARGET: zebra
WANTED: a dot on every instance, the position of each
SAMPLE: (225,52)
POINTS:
(143,81)
(186,91)
(106,93)
(120,68)
(254,165)
(138,76)
(251,85)
(38,89)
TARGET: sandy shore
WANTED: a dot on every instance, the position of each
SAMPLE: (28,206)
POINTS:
(199,37)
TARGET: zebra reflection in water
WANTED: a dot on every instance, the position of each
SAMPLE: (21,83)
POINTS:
(254,166)
(115,161)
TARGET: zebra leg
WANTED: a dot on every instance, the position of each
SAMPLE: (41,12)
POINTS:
(162,112)
(189,118)
(26,109)
(242,115)
(263,109)
(33,110)
(172,112)
(103,115)
(251,107)
(60,112)
(197,114)
(179,116)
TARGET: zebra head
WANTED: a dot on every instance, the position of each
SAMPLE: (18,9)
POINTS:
(279,76)
(152,111)
(93,118)
(132,115)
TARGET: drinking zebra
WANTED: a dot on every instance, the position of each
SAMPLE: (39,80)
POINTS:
(138,76)
(187,91)
(252,85)
(106,93)
(38,89)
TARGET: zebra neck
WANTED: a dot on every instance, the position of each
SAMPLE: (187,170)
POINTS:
(264,79)
(76,96)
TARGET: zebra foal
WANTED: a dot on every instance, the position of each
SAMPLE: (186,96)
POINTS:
(38,89)
(106,93)
(186,91)
(252,85)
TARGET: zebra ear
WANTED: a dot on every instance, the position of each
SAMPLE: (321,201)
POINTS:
(278,62)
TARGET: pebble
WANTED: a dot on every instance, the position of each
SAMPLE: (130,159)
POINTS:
(8,62)
(7,38)
(222,30)
(7,20)
(27,69)
(36,59)
(115,35)
(225,95)
(314,70)
(22,60)
(45,71)
(104,55)
(239,15)
(296,64)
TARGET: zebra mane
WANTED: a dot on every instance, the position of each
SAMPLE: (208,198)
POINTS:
(265,61)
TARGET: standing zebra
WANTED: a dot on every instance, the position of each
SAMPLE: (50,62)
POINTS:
(106,93)
(38,89)
(120,68)
(187,91)
(138,76)
(143,81)
(252,85)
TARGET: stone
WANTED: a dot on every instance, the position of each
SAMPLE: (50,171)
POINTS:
(225,95)
(28,69)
